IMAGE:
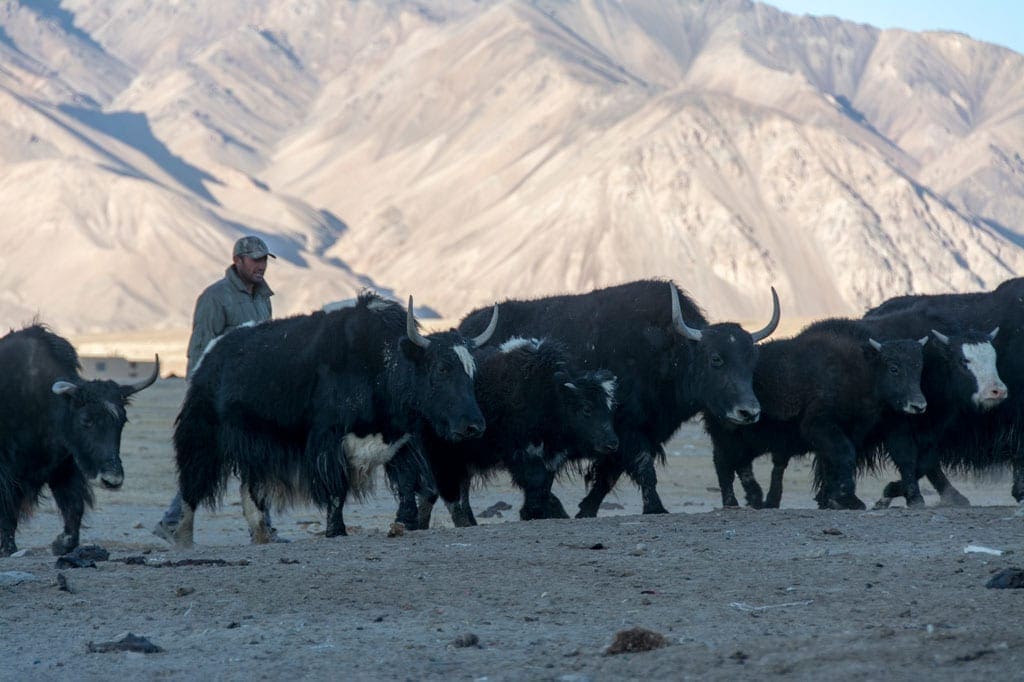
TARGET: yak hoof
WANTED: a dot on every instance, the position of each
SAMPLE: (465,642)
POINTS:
(555,510)
(588,513)
(656,509)
(915,502)
(893,489)
(883,503)
(336,531)
(63,544)
(953,499)
(7,549)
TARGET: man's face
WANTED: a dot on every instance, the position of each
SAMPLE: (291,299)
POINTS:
(250,270)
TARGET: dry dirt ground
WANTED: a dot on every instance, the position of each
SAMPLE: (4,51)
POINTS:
(797,592)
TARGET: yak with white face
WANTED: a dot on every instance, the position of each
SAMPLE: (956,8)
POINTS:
(304,408)
(994,437)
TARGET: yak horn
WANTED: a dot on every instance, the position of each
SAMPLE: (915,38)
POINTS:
(131,389)
(487,333)
(764,333)
(412,330)
(677,317)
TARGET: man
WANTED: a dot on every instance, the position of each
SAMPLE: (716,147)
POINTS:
(241,297)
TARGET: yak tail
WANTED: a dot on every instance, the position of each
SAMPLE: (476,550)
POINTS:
(203,469)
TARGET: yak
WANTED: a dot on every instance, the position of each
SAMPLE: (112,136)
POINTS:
(670,364)
(826,391)
(307,407)
(56,430)
(995,438)
(534,402)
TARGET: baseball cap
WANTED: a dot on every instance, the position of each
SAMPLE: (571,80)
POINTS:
(253,247)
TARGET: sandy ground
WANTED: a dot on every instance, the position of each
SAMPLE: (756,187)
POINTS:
(796,591)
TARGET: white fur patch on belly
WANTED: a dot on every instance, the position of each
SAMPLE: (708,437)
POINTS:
(365,454)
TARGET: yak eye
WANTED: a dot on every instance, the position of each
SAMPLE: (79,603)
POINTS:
(442,369)
(586,411)
(87,422)
(894,369)
(716,360)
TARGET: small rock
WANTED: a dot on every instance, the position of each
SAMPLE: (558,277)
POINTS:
(832,531)
(1007,578)
(89,553)
(635,640)
(129,642)
(9,578)
(71,561)
(184,591)
(62,584)
(611,505)
(466,640)
(494,511)
(397,529)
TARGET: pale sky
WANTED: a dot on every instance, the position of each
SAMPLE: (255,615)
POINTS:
(993,21)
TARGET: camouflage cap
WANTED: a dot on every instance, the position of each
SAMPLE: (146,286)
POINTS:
(253,247)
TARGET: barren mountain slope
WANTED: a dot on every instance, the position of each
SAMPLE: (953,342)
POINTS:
(468,151)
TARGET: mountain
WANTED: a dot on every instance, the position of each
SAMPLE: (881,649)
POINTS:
(467,151)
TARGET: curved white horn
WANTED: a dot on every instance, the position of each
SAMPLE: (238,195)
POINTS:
(677,317)
(485,336)
(411,330)
(766,331)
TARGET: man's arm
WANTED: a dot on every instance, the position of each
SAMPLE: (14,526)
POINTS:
(208,322)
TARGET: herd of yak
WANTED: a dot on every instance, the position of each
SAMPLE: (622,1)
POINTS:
(304,409)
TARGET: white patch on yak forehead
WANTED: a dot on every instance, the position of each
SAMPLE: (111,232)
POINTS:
(378,304)
(516,342)
(609,392)
(468,363)
(981,360)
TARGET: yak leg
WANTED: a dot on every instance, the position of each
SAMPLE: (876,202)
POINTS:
(779,464)
(183,533)
(641,469)
(407,474)
(725,470)
(603,475)
(751,488)
(259,531)
(424,509)
(905,454)
(837,460)
(461,512)
(70,492)
(1018,479)
(535,480)
(335,514)
(555,509)
(949,496)
(9,519)
(8,526)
